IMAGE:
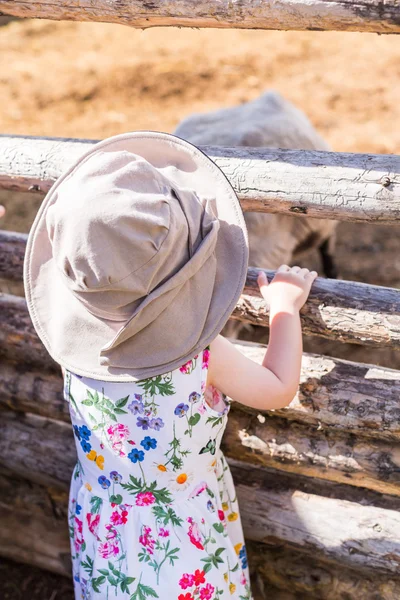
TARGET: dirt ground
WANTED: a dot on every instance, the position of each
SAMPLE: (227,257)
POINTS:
(96,80)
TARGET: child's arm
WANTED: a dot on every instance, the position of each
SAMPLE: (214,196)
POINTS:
(274,383)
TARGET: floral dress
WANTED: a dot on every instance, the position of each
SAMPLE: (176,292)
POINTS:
(152,507)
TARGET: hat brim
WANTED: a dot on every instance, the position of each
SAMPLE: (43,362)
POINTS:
(74,337)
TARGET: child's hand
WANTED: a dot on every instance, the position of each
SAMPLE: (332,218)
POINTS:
(2,211)
(289,289)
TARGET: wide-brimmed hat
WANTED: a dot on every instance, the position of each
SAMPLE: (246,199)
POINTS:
(136,258)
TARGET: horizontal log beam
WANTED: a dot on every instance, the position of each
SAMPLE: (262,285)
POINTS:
(327,15)
(37,447)
(334,395)
(343,310)
(360,537)
(34,525)
(287,446)
(304,576)
(326,185)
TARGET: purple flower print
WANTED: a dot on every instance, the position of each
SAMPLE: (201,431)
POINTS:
(115,476)
(156,423)
(181,409)
(136,407)
(104,482)
(136,455)
(194,397)
(143,422)
(148,443)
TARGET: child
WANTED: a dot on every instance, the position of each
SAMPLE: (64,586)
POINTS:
(134,263)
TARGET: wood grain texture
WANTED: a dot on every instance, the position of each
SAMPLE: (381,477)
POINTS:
(42,449)
(34,525)
(304,576)
(334,396)
(343,310)
(326,185)
(342,15)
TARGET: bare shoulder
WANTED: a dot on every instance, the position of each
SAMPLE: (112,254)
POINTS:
(243,379)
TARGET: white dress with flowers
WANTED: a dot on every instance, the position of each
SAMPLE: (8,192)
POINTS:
(152,508)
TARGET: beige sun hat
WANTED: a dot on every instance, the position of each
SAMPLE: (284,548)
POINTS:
(136,258)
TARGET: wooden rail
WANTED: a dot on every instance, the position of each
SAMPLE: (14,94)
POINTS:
(344,310)
(357,15)
(343,433)
(335,396)
(326,185)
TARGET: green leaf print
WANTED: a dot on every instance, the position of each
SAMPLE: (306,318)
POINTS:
(162,496)
(142,592)
(88,565)
(175,455)
(214,420)
(218,527)
(96,503)
(194,419)
(121,402)
(161,384)
(116,499)
(97,582)
(213,560)
(167,516)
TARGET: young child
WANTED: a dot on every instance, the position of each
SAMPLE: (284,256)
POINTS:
(134,263)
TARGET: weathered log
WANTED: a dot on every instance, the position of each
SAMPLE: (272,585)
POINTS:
(18,338)
(344,310)
(358,536)
(287,446)
(334,395)
(12,252)
(326,185)
(312,578)
(347,532)
(363,15)
(34,525)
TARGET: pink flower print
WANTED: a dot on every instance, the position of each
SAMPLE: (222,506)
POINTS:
(206,357)
(243,579)
(93,523)
(221,515)
(119,518)
(186,367)
(207,592)
(145,499)
(118,434)
(186,581)
(194,534)
(198,489)
(108,549)
(78,539)
(201,408)
(112,533)
(146,540)
(163,532)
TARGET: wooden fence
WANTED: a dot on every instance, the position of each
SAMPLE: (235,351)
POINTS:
(318,482)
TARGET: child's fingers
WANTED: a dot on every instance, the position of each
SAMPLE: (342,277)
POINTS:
(283,269)
(262,278)
(2,211)
(312,275)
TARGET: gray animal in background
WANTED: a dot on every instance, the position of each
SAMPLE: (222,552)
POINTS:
(273,122)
